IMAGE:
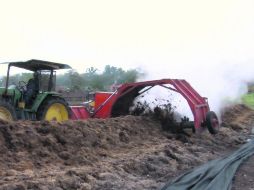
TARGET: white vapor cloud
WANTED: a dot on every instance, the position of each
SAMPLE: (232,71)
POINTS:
(208,43)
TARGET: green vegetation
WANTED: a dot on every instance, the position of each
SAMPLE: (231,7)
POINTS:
(16,78)
(90,80)
(93,80)
(248,99)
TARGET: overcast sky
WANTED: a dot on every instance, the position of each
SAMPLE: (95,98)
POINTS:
(210,43)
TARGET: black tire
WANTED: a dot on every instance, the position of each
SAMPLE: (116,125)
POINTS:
(47,103)
(212,122)
(7,111)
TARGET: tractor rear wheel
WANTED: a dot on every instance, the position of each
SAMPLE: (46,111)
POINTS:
(54,108)
(212,122)
(7,112)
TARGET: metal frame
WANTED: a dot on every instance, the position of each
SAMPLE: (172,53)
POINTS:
(198,104)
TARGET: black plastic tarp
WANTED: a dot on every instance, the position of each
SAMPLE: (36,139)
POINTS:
(216,174)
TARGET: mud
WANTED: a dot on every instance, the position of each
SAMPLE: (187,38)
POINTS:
(244,176)
(131,152)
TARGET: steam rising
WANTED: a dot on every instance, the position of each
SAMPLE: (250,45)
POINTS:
(208,43)
(222,82)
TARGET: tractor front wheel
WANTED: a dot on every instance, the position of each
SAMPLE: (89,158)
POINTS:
(54,109)
(7,112)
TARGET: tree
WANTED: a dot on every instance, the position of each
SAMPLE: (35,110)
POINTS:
(75,81)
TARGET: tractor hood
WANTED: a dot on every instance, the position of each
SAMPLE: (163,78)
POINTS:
(37,65)
(11,92)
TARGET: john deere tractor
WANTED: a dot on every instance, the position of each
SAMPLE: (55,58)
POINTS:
(35,99)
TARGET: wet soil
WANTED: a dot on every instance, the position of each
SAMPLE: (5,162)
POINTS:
(131,152)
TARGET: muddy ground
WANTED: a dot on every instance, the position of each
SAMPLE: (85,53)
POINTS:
(118,153)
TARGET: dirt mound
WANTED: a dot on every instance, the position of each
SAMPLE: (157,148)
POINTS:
(70,143)
(118,153)
(237,117)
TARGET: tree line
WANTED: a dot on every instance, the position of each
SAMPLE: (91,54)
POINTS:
(90,80)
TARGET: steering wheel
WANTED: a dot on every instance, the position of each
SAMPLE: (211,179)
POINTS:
(22,85)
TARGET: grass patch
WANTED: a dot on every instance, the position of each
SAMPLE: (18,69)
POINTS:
(248,99)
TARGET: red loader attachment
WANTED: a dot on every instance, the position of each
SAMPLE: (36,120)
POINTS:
(119,102)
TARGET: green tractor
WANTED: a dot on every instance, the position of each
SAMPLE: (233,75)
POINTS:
(35,99)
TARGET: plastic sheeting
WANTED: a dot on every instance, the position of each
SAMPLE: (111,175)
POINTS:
(216,174)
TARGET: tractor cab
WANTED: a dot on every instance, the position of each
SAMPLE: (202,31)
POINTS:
(30,99)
